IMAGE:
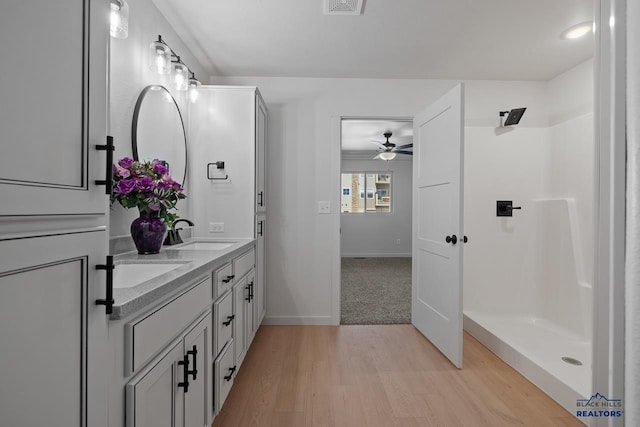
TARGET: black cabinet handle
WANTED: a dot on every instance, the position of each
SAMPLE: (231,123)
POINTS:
(229,320)
(108,182)
(228,279)
(231,371)
(261,229)
(185,373)
(451,239)
(108,301)
(194,352)
(249,289)
(260,199)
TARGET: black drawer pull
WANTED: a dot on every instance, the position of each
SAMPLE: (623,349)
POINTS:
(229,320)
(231,371)
(228,279)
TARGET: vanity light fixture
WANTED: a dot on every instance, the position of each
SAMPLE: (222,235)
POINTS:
(180,75)
(194,84)
(163,60)
(160,56)
(577,31)
(119,19)
(387,155)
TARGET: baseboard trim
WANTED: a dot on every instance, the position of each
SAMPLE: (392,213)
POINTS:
(375,255)
(297,320)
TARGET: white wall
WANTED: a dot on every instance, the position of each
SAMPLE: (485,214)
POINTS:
(129,74)
(303,157)
(375,234)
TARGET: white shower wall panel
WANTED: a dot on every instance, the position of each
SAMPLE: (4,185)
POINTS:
(500,259)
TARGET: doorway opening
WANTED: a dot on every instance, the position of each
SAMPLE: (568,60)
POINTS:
(375,220)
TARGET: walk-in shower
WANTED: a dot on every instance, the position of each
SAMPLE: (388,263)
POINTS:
(528,273)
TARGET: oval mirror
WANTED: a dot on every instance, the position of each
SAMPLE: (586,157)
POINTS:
(158,131)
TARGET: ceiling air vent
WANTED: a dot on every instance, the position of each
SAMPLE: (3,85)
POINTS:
(343,7)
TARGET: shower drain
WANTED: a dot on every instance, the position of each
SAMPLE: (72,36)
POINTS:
(571,361)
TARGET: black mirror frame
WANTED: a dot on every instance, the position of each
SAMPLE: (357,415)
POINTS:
(134,125)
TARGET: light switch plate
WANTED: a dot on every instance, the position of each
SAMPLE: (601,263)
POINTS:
(324,207)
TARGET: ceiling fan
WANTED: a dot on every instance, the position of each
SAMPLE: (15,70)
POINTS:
(389,149)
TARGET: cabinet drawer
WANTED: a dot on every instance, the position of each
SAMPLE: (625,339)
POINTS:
(224,373)
(223,280)
(244,263)
(147,335)
(223,321)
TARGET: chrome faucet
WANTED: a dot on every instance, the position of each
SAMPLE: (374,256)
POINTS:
(173,236)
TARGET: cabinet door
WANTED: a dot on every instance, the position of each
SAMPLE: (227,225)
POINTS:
(261,154)
(53,356)
(250,309)
(154,398)
(50,125)
(197,346)
(261,273)
(240,295)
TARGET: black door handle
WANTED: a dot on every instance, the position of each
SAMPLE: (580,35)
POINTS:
(194,353)
(451,239)
(185,373)
(464,239)
(109,148)
(108,301)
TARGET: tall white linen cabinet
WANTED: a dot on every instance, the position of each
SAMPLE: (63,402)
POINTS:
(227,175)
(53,223)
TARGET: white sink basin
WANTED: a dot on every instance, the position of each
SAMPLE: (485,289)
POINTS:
(206,246)
(132,274)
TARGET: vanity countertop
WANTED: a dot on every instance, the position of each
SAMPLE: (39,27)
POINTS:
(190,264)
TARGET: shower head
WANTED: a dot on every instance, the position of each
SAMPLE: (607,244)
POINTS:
(513,116)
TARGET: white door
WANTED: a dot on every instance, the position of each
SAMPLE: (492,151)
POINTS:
(436,308)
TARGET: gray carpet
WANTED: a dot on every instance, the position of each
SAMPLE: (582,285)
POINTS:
(375,291)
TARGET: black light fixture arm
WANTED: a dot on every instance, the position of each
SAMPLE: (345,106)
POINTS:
(176,56)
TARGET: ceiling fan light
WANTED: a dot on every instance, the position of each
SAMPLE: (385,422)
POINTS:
(387,155)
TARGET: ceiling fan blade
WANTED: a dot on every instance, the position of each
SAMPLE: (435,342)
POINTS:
(378,143)
(400,147)
(377,157)
(404,152)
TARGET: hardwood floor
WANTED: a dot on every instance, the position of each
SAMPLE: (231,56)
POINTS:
(382,375)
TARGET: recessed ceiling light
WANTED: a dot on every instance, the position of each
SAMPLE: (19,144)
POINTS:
(577,31)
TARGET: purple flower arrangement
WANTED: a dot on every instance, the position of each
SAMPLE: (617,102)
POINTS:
(146,186)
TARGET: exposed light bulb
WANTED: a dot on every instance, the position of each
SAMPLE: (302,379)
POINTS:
(119,27)
(160,57)
(194,84)
(180,76)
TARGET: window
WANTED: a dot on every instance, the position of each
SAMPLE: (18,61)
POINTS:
(376,187)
